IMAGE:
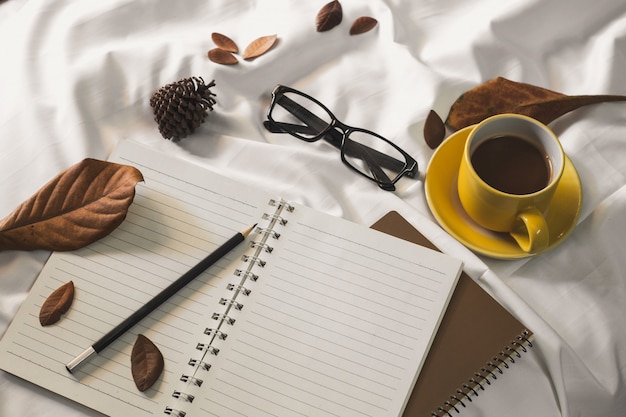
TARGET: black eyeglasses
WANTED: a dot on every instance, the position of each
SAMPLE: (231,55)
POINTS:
(371,155)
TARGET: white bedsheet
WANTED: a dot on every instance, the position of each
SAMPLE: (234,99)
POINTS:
(76,77)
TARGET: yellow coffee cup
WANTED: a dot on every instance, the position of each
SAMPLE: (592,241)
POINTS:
(510,169)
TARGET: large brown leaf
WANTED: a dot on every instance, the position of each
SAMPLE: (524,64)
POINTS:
(504,96)
(79,206)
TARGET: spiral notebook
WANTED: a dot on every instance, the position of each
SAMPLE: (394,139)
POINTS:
(477,340)
(315,316)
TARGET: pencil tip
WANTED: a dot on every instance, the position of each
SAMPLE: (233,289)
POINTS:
(247,231)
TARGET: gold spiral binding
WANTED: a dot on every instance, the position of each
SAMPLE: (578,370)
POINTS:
(482,378)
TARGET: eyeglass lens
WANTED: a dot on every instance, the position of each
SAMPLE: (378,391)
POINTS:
(297,114)
(373,156)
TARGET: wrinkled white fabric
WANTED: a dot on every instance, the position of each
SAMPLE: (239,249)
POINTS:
(76,77)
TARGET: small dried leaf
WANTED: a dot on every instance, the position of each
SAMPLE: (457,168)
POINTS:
(259,46)
(224,42)
(221,56)
(329,16)
(503,96)
(363,24)
(77,207)
(434,130)
(57,304)
(146,363)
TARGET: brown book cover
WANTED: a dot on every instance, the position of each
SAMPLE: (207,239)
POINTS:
(477,340)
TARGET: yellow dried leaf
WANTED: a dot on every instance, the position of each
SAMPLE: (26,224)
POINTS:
(224,42)
(259,46)
(221,56)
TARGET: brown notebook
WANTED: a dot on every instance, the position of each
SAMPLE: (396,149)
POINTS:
(477,340)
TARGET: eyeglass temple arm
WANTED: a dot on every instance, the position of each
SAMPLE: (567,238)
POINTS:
(333,136)
(282,127)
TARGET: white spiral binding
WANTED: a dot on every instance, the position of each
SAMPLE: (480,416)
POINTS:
(210,331)
(482,378)
(173,412)
(247,274)
(243,290)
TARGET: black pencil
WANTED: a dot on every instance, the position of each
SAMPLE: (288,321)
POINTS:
(159,299)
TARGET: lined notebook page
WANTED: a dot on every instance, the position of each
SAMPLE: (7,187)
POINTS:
(179,215)
(338,324)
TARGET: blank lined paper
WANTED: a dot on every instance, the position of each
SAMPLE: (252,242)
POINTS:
(328,319)
(338,325)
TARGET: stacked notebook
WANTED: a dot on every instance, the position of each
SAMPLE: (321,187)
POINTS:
(477,340)
(315,316)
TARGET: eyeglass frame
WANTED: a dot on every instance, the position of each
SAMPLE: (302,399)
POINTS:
(331,132)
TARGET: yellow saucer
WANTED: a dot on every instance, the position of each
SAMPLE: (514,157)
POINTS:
(444,203)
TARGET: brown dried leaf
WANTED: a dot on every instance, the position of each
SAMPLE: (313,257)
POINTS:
(57,304)
(224,42)
(434,130)
(77,207)
(363,24)
(146,363)
(503,96)
(221,56)
(329,16)
(259,46)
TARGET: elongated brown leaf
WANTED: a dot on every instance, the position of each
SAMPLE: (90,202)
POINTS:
(504,96)
(146,363)
(329,16)
(221,56)
(79,206)
(363,24)
(224,42)
(259,46)
(56,304)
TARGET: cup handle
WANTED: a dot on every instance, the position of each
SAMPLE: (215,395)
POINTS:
(530,231)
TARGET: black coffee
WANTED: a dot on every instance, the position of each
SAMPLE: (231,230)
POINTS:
(512,164)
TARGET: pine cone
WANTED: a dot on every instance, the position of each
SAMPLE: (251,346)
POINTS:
(179,108)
